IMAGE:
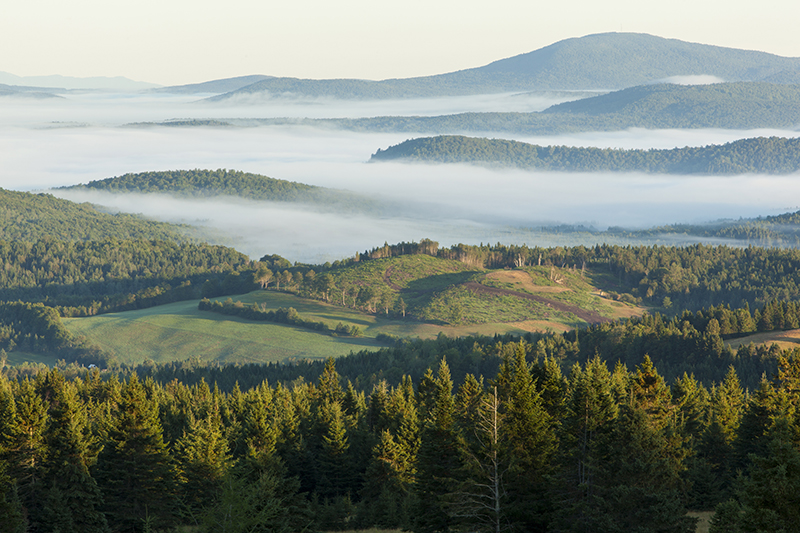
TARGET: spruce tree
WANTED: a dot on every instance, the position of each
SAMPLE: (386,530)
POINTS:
(74,501)
(134,470)
(438,459)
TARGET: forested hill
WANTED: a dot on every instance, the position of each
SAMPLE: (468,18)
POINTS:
(199,183)
(774,155)
(727,105)
(600,61)
(30,217)
(722,105)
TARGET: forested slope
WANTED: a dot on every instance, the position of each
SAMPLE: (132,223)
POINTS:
(30,217)
(772,155)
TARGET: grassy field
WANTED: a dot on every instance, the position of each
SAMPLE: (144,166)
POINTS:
(178,331)
(786,340)
(703,520)
(445,296)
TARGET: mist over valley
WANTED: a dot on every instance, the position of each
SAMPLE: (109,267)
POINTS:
(87,135)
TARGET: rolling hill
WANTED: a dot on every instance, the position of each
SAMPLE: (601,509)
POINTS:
(758,155)
(200,183)
(740,105)
(600,61)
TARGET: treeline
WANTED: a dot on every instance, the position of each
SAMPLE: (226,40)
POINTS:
(35,328)
(30,217)
(774,155)
(525,448)
(282,315)
(86,278)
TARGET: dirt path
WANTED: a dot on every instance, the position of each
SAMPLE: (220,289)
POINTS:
(387,279)
(591,317)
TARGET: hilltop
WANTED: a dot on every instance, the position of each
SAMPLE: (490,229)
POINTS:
(601,61)
(771,156)
(202,183)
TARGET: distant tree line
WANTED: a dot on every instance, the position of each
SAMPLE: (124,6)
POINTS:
(774,155)
(85,278)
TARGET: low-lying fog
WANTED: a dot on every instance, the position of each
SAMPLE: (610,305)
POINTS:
(43,148)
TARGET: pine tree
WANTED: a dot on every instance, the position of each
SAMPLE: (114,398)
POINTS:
(134,470)
(590,415)
(770,496)
(439,452)
(74,501)
(204,460)
(528,442)
(25,449)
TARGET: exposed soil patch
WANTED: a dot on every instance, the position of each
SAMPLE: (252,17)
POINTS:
(589,316)
(523,279)
(387,279)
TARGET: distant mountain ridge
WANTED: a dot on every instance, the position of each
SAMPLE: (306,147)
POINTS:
(601,61)
(117,83)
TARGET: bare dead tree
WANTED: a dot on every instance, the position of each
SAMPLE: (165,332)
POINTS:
(481,497)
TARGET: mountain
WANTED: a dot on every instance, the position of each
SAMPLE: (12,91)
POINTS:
(760,155)
(117,83)
(600,61)
(26,92)
(741,105)
(215,86)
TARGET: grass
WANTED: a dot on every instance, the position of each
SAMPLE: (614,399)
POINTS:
(786,340)
(18,358)
(440,292)
(703,522)
(179,331)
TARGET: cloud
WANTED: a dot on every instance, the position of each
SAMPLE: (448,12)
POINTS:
(696,79)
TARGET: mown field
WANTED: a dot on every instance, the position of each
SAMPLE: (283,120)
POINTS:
(180,331)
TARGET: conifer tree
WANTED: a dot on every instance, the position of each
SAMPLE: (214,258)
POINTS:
(590,415)
(528,441)
(24,446)
(438,457)
(134,470)
(74,501)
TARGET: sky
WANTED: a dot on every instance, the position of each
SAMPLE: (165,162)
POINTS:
(172,42)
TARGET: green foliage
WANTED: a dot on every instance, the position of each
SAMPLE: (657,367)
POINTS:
(199,183)
(32,217)
(774,155)
(85,278)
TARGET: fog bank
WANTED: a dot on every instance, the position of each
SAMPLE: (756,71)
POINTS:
(49,144)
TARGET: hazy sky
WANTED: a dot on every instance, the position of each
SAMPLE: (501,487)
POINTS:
(183,41)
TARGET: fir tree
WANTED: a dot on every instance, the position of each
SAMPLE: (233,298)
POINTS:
(134,470)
